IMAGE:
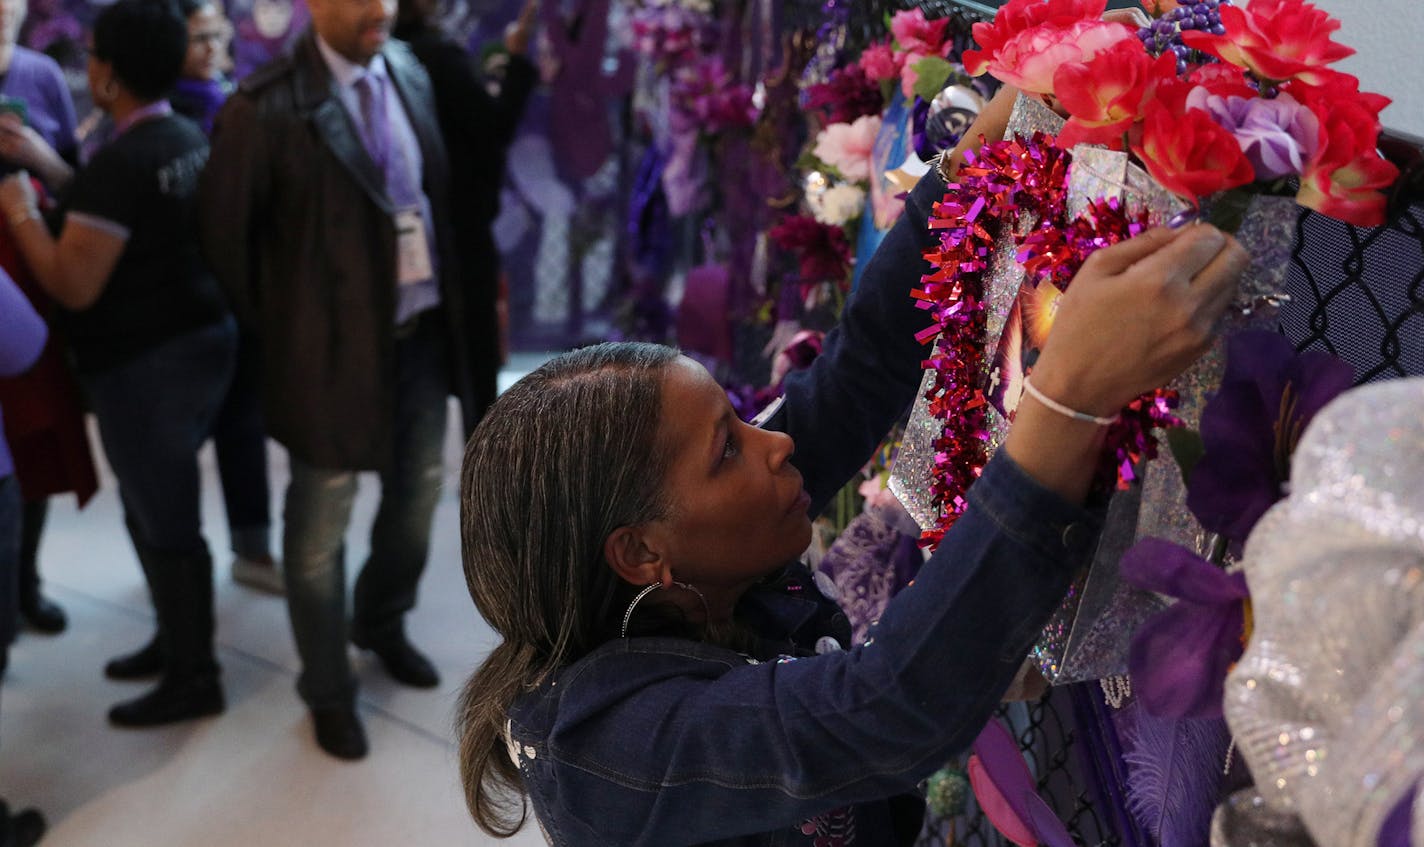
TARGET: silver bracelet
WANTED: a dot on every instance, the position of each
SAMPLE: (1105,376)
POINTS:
(1061,409)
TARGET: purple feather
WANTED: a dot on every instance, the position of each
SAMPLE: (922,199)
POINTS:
(1174,774)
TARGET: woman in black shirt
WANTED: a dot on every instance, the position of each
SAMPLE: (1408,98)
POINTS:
(152,337)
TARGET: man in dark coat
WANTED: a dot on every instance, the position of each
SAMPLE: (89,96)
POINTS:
(326,215)
(478,127)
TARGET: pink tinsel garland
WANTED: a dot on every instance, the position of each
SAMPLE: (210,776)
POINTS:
(1007,181)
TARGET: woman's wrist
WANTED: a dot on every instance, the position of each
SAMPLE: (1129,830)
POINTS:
(1058,452)
(1080,388)
(20,214)
(1064,409)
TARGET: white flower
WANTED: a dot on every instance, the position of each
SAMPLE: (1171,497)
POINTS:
(838,205)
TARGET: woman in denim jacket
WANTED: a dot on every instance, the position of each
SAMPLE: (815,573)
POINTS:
(666,677)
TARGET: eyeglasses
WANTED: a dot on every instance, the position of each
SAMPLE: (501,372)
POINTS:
(211,36)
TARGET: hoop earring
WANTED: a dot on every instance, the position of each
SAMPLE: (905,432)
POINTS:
(628,614)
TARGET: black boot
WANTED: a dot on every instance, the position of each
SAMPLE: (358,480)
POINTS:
(182,586)
(144,662)
(148,660)
(175,699)
(38,611)
(22,829)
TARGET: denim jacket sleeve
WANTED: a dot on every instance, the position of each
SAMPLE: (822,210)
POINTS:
(646,742)
(840,409)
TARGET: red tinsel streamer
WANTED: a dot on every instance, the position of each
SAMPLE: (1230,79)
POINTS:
(1011,181)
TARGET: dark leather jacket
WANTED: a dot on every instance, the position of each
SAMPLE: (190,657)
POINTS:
(298,230)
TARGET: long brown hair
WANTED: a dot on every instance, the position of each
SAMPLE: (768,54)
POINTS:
(566,456)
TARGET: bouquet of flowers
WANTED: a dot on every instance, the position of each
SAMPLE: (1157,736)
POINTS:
(1204,109)
(1209,97)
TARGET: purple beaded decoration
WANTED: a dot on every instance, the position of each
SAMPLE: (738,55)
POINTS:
(1165,33)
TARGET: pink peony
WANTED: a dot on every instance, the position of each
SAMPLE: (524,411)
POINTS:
(914,33)
(1020,17)
(1029,60)
(847,147)
(880,62)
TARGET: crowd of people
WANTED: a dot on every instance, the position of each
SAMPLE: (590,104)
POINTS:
(308,215)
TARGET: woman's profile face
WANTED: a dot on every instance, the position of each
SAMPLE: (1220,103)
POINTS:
(208,37)
(738,506)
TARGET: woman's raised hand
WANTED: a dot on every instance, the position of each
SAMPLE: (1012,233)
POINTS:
(1137,314)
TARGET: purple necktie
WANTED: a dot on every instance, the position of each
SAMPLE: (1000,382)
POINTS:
(390,157)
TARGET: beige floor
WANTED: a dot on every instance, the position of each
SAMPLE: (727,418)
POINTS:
(254,775)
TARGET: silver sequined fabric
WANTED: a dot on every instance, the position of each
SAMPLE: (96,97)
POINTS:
(1327,704)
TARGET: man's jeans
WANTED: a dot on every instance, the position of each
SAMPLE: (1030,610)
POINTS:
(318,513)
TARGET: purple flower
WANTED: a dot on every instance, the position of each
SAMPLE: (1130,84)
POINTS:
(1180,657)
(1250,427)
(1279,136)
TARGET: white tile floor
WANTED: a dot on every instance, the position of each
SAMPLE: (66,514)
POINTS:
(254,775)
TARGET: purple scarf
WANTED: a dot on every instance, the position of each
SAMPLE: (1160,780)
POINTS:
(200,99)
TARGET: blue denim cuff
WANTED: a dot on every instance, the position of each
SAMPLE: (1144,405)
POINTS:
(1032,514)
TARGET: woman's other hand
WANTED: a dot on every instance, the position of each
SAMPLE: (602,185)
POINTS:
(990,125)
(518,33)
(1138,313)
(21,145)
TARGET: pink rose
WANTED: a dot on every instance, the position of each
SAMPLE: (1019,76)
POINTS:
(1029,60)
(847,147)
(914,33)
(880,62)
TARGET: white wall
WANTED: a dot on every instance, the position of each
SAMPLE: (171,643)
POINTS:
(1389,38)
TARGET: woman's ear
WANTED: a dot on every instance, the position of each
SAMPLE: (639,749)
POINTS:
(634,555)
